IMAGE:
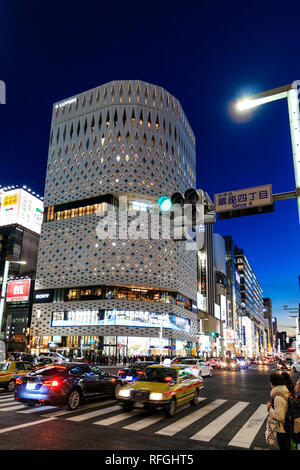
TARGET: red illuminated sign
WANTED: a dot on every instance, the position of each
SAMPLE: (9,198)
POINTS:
(18,291)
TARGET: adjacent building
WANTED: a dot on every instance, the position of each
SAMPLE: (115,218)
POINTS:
(253,328)
(21,213)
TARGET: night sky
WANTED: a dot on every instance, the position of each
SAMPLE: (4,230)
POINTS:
(204,53)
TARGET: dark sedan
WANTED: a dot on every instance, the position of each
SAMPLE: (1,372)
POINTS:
(66,384)
(284,364)
(134,371)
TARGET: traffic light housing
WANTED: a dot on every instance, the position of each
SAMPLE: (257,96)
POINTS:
(190,212)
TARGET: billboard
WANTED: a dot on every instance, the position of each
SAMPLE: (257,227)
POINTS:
(20,207)
(18,291)
(223,301)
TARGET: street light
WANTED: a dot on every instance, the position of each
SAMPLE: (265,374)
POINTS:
(291,93)
(3,290)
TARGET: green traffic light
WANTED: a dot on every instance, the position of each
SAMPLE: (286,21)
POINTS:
(164,203)
(212,333)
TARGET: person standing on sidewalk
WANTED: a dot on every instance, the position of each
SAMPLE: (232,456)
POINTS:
(277,408)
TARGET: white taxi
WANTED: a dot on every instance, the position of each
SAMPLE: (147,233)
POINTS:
(198,366)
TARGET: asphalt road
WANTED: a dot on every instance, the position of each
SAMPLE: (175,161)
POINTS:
(230,416)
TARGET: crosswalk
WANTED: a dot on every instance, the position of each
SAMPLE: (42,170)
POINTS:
(240,424)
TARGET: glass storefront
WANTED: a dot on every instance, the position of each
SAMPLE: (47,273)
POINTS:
(110,346)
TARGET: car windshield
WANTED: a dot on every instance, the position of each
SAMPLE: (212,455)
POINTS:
(4,367)
(159,374)
(189,361)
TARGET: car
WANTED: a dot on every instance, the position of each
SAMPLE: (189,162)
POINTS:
(54,356)
(296,366)
(179,359)
(42,362)
(242,360)
(66,384)
(133,371)
(214,362)
(198,367)
(230,364)
(21,356)
(282,364)
(162,387)
(10,370)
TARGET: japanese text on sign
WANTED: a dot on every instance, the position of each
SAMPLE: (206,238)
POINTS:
(244,198)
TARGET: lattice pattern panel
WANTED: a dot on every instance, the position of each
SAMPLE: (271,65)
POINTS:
(120,137)
(70,255)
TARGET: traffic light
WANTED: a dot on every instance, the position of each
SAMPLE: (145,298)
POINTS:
(189,212)
(165,203)
(214,334)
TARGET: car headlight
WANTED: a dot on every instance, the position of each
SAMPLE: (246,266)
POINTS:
(242,363)
(156,396)
(124,393)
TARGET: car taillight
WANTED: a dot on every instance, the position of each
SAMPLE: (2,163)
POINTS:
(51,383)
(195,367)
(121,372)
(168,379)
(140,372)
(18,381)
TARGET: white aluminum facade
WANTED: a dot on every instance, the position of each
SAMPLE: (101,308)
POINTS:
(122,138)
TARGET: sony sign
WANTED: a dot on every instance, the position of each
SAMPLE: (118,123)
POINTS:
(43,296)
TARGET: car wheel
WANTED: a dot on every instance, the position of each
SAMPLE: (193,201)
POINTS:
(116,390)
(194,401)
(210,373)
(73,400)
(171,408)
(11,386)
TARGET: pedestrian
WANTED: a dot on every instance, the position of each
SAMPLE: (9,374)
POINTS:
(289,384)
(297,388)
(277,409)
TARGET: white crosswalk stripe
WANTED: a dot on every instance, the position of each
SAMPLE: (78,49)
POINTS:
(92,414)
(38,409)
(81,408)
(7,400)
(209,431)
(247,433)
(118,418)
(176,427)
(11,408)
(144,423)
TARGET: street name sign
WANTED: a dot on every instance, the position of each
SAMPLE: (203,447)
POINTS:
(243,202)
(244,198)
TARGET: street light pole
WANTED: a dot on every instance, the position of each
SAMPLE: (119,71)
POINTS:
(291,93)
(3,289)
